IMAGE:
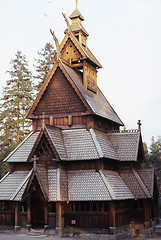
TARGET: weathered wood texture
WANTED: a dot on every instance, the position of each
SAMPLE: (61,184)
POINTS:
(61,121)
(7,213)
(19,167)
(70,53)
(59,97)
(87,215)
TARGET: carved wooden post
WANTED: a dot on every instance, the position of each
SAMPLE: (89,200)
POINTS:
(59,218)
(29,214)
(112,218)
(17,216)
(146,214)
(46,217)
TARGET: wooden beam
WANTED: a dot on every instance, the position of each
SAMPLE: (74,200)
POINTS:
(29,214)
(59,219)
(112,218)
(17,216)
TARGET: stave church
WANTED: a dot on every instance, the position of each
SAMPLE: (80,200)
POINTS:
(77,172)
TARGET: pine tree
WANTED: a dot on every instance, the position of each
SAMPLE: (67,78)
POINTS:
(16,100)
(43,64)
(155,155)
(148,160)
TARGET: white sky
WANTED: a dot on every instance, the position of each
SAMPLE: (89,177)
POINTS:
(125,36)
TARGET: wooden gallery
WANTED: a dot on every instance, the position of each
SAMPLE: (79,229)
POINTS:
(77,169)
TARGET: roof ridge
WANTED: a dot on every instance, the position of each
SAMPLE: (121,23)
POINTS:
(107,184)
(6,175)
(123,131)
(96,142)
(141,183)
(54,143)
(40,182)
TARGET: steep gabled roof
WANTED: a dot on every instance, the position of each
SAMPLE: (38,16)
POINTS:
(56,137)
(85,52)
(97,102)
(94,103)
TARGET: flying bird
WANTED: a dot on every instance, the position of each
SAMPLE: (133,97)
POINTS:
(46,15)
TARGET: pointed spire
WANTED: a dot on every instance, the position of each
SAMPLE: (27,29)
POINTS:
(76,13)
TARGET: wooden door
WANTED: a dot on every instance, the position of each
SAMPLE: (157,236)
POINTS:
(37,209)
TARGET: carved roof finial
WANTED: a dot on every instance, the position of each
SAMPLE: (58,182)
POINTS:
(65,17)
(139,125)
(56,43)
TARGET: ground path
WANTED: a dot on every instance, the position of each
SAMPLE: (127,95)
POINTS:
(5,236)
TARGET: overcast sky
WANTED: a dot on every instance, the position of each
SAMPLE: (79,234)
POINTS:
(124,35)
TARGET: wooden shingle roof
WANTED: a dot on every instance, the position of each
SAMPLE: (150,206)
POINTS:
(97,102)
(135,184)
(118,186)
(76,13)
(22,152)
(80,144)
(147,176)
(76,185)
(13,185)
(87,185)
(126,144)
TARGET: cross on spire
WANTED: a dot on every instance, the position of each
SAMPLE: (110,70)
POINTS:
(43,120)
(76,4)
(139,125)
(34,159)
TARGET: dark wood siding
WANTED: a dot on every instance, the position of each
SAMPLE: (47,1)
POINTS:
(59,97)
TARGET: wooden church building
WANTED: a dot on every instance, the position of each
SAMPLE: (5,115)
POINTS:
(77,169)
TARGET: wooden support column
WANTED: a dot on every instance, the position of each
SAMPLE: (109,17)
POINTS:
(112,218)
(46,227)
(29,215)
(17,217)
(146,214)
(156,211)
(59,219)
